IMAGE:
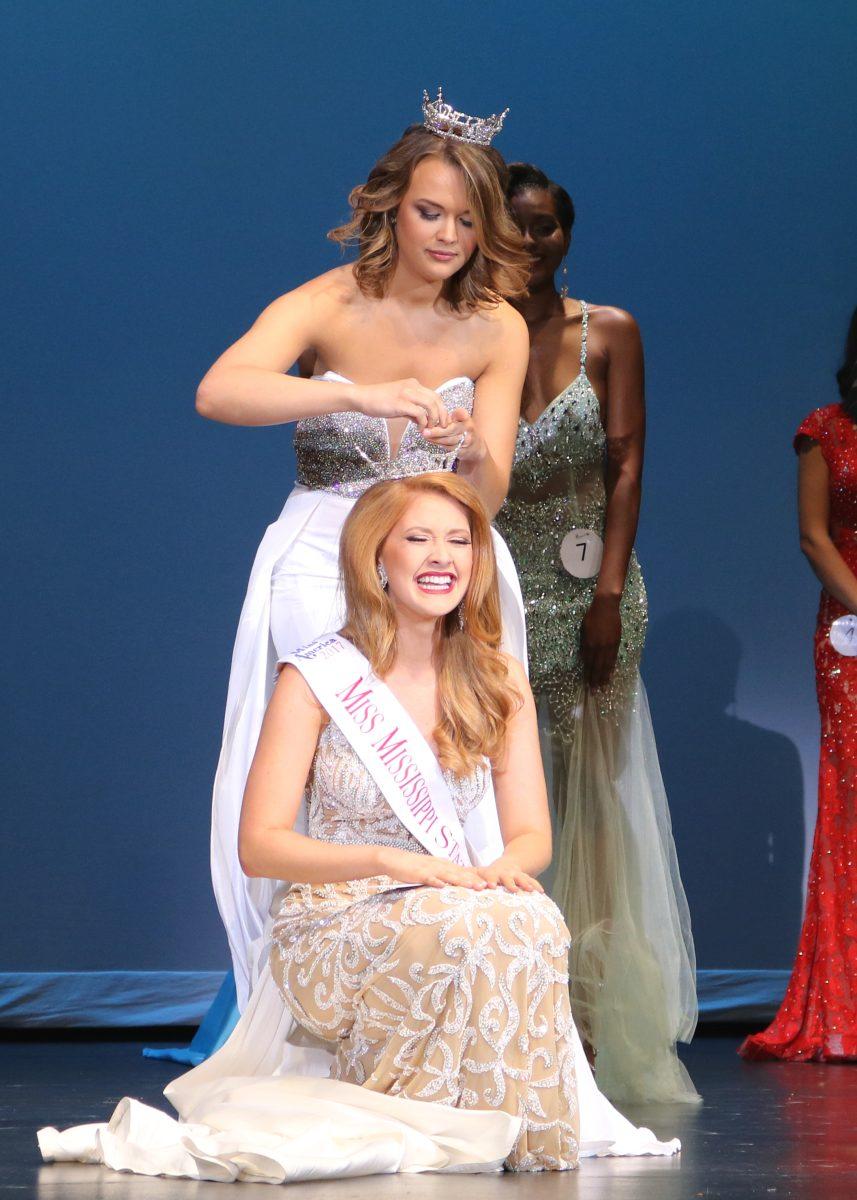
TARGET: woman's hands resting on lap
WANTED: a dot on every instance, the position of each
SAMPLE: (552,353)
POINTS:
(505,874)
(427,870)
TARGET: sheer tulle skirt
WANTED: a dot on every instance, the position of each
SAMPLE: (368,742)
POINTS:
(617,883)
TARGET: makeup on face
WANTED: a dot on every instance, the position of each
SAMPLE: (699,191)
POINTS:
(428,555)
(544,240)
(434,223)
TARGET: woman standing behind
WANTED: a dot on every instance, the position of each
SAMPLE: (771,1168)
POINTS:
(417,362)
(817,1020)
(570,521)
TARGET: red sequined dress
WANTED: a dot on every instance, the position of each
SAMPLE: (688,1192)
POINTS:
(817,1019)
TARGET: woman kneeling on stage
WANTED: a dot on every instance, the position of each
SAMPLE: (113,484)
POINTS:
(416,939)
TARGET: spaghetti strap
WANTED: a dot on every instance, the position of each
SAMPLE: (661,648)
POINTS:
(584,330)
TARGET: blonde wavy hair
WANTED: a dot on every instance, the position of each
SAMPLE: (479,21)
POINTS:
(476,698)
(498,268)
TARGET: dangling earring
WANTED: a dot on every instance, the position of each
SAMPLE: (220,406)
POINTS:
(563,291)
(461,615)
(383,579)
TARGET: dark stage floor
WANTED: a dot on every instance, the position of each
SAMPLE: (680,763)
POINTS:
(774,1131)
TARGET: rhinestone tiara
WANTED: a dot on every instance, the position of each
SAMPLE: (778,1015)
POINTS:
(441,118)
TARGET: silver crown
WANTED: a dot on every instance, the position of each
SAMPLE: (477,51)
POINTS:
(441,118)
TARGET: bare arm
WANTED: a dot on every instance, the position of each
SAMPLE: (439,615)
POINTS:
(521,793)
(496,411)
(247,385)
(267,843)
(815,540)
(486,459)
(626,426)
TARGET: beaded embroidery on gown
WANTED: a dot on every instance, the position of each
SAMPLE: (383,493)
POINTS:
(817,1020)
(447,994)
(294,596)
(616,879)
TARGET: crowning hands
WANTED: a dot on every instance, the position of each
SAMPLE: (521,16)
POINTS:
(402,398)
(430,871)
(408,398)
(460,435)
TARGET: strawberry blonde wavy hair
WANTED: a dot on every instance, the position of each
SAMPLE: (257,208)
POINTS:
(498,268)
(476,698)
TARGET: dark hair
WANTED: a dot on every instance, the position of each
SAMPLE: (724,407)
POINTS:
(846,376)
(524,177)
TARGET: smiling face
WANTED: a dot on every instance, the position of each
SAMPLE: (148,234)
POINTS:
(428,557)
(544,238)
(435,234)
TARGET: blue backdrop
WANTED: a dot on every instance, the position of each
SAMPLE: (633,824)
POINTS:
(172,168)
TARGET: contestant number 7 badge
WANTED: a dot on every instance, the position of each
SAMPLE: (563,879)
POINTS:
(581,553)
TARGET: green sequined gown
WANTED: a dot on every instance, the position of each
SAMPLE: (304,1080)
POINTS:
(615,874)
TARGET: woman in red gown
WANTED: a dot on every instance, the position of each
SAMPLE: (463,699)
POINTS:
(817,1020)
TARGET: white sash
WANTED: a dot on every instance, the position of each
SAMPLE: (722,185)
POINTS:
(387,742)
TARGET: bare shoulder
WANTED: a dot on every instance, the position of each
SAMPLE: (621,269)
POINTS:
(615,325)
(329,292)
(501,319)
(294,689)
(503,331)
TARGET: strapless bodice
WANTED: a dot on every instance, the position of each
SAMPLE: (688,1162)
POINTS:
(346,806)
(347,452)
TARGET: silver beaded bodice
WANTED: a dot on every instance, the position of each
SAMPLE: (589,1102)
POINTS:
(346,806)
(347,452)
(558,484)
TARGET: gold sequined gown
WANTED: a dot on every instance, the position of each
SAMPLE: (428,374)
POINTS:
(446,995)
(616,880)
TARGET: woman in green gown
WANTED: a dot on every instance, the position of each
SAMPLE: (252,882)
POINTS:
(570,520)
